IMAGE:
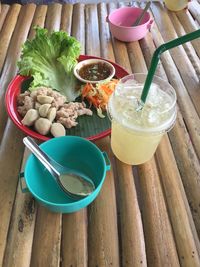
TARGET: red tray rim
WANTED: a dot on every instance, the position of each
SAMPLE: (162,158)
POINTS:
(10,102)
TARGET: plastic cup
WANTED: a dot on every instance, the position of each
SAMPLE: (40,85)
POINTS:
(135,134)
(176,5)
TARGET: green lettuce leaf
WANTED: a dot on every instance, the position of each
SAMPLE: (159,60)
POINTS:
(50,58)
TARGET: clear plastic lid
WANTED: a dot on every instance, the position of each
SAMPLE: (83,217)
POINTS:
(159,112)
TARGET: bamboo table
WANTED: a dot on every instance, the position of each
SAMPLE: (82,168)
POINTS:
(147,215)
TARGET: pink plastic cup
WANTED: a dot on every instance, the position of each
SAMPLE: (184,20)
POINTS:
(121,21)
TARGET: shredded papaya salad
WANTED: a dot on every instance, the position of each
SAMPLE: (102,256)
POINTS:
(98,94)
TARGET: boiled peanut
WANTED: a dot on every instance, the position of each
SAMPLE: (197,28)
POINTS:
(43,110)
(44,99)
(57,129)
(37,105)
(51,114)
(30,117)
(42,126)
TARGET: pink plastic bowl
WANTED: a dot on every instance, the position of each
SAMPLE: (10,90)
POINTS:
(120,22)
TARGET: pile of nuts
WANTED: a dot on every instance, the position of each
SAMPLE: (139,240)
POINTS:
(46,110)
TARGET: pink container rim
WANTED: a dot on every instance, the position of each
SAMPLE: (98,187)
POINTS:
(109,17)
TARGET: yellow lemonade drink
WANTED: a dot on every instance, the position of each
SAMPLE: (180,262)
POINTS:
(136,133)
(176,5)
(132,148)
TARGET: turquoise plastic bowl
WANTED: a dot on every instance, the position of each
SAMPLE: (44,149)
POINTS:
(75,152)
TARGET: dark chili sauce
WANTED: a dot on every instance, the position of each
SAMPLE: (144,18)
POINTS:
(95,71)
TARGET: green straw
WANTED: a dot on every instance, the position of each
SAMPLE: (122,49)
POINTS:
(156,56)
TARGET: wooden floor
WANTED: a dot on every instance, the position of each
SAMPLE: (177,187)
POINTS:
(144,216)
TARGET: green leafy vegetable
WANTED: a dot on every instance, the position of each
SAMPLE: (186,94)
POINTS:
(50,58)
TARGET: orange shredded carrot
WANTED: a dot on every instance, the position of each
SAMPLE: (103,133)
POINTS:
(98,94)
(86,90)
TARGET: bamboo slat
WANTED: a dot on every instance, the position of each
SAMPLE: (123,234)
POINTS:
(103,248)
(136,59)
(187,46)
(131,228)
(112,6)
(75,225)
(148,48)
(7,31)
(103,241)
(187,242)
(48,235)
(74,253)
(188,165)
(9,179)
(66,18)
(121,55)
(4,11)
(136,56)
(105,40)
(53,18)
(118,46)
(21,230)
(19,244)
(120,49)
(11,151)
(188,111)
(92,28)
(181,60)
(194,7)
(160,246)
(10,68)
(38,19)
(96,236)
(154,213)
(78,25)
(189,26)
(47,239)
(132,237)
